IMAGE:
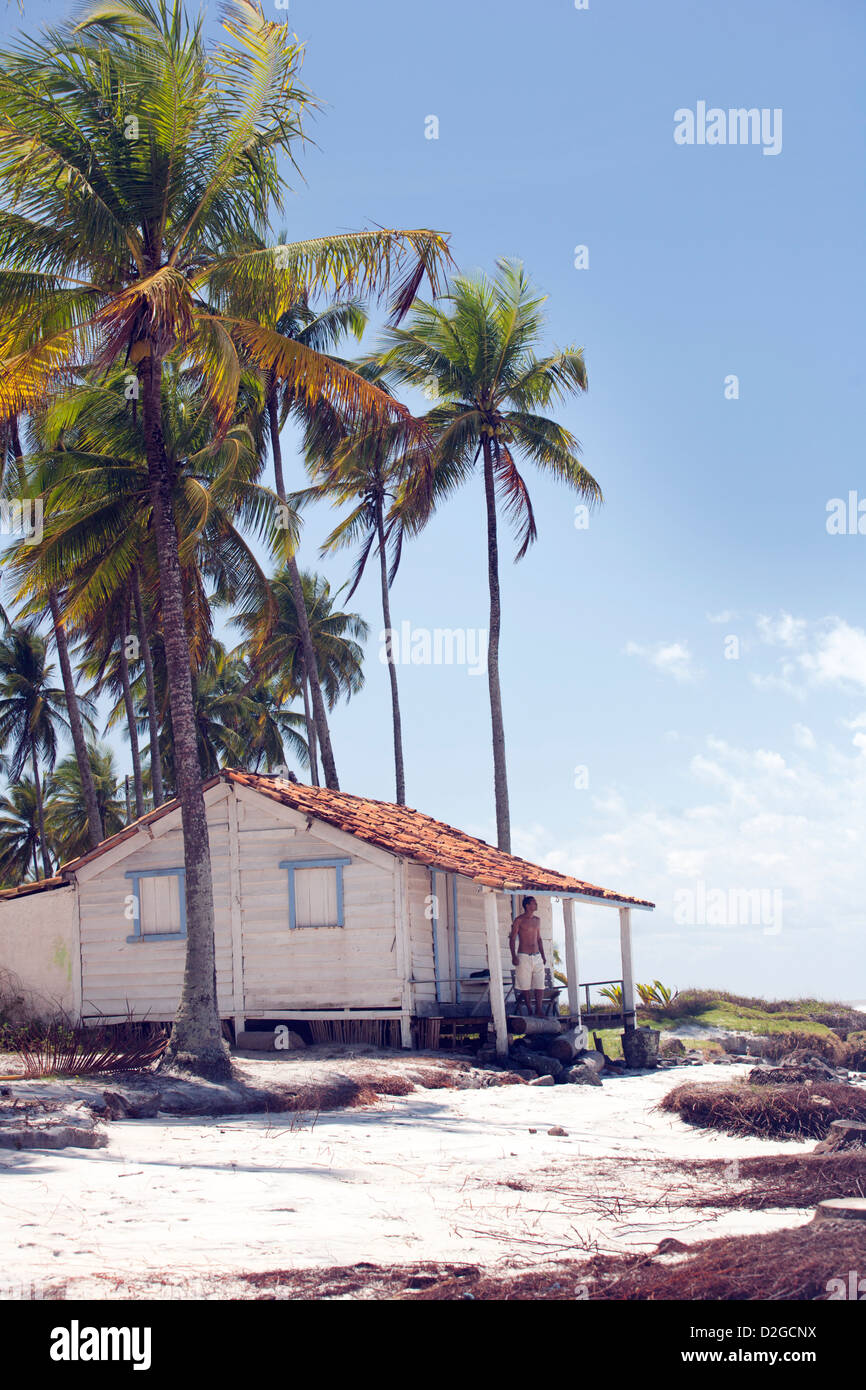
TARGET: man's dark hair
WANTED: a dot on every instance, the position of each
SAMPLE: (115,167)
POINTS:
(526,902)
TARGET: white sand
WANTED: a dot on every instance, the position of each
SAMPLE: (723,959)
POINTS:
(421,1177)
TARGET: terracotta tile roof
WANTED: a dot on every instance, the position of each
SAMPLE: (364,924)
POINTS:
(38,886)
(417,836)
(398,829)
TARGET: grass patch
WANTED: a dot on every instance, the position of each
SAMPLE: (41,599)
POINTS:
(712,1009)
(770,1112)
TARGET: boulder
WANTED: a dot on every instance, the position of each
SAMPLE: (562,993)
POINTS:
(580,1074)
(543,1081)
(672,1047)
(538,1062)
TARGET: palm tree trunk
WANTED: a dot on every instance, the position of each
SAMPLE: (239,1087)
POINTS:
(328,765)
(129,705)
(500,772)
(392,668)
(40,813)
(152,718)
(79,742)
(196,1042)
(311,728)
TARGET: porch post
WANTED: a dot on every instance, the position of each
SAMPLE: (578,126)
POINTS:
(494,965)
(627,970)
(571,970)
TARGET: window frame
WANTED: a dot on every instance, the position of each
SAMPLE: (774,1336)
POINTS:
(337,862)
(136,875)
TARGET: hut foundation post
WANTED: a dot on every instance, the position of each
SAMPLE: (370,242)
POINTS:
(571,970)
(494,965)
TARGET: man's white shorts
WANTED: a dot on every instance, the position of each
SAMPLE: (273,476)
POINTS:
(530,972)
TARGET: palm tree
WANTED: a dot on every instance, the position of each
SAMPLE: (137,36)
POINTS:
(19,833)
(320,332)
(274,645)
(136,162)
(65,808)
(479,355)
(98,538)
(31,710)
(366,472)
(47,601)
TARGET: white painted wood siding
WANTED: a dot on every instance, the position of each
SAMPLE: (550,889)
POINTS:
(143,978)
(353,966)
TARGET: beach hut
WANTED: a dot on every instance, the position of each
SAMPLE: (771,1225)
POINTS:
(357,918)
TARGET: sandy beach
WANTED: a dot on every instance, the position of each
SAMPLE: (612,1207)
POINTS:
(178,1207)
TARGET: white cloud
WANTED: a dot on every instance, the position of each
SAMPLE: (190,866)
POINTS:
(826,654)
(839,657)
(784,630)
(670,658)
(749,819)
(803,736)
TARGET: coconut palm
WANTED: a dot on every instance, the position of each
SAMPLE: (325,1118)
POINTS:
(65,809)
(136,160)
(274,646)
(92,476)
(366,473)
(47,603)
(478,355)
(32,710)
(271,304)
(20,840)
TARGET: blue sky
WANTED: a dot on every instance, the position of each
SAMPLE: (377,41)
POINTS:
(556,130)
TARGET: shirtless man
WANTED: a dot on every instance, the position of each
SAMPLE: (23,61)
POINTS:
(527,953)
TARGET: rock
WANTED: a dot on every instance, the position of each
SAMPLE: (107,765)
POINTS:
(558,1132)
(580,1075)
(735,1043)
(640,1047)
(544,1066)
(844,1134)
(542,1081)
(810,1062)
(672,1047)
